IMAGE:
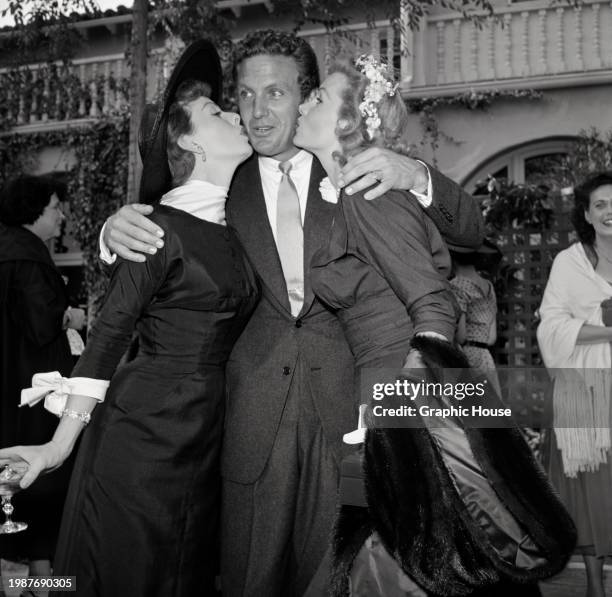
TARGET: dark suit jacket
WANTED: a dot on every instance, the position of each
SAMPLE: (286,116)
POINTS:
(275,346)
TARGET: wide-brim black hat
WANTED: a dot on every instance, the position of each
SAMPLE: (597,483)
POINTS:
(199,61)
(486,257)
(487,247)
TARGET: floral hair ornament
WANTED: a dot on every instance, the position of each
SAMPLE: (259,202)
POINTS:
(380,83)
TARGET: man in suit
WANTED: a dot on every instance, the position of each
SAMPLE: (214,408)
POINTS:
(290,375)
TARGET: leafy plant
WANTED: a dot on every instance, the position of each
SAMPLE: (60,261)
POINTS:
(515,206)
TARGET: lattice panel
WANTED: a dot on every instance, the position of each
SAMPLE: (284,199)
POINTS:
(528,256)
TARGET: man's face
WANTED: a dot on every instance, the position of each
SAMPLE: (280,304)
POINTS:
(268,98)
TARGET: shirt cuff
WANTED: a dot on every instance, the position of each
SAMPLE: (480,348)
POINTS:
(87,386)
(425,199)
(433,335)
(105,255)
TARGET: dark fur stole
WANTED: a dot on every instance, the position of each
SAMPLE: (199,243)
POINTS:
(439,539)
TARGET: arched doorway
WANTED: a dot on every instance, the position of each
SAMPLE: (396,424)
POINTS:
(525,163)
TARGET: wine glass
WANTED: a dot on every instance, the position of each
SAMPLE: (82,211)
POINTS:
(10,475)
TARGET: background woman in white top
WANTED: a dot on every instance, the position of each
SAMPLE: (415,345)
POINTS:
(574,337)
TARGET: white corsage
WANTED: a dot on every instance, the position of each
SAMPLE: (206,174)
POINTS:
(328,191)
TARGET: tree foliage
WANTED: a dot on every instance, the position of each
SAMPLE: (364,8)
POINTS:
(334,14)
(42,28)
(590,153)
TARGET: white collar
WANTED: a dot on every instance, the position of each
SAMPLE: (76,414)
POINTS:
(199,198)
(302,159)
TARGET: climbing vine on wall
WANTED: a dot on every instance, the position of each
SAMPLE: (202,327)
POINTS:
(470,100)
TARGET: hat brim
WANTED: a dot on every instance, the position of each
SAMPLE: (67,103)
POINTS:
(199,61)
(487,248)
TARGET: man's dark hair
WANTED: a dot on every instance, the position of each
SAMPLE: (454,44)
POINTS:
(582,201)
(281,43)
(23,199)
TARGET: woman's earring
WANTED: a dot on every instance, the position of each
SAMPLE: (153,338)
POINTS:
(201,151)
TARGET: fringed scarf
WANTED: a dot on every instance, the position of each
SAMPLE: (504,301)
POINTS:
(581,372)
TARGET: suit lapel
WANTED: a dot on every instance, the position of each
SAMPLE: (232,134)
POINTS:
(248,215)
(317,223)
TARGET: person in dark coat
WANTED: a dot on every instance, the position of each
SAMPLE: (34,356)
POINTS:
(34,314)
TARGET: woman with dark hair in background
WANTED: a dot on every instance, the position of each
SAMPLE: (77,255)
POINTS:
(34,315)
(574,335)
(141,517)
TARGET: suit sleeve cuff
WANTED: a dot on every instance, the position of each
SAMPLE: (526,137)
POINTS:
(105,255)
(425,199)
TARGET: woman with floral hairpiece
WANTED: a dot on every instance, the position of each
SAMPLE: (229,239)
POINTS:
(428,500)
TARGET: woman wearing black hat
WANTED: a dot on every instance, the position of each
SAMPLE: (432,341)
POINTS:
(141,514)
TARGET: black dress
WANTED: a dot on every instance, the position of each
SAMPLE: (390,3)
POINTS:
(32,304)
(142,511)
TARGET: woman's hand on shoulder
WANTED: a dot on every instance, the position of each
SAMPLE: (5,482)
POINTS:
(391,170)
(40,459)
(129,232)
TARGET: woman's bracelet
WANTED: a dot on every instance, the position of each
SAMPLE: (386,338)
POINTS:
(74,414)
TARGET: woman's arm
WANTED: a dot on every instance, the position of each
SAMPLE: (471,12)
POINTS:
(47,457)
(132,287)
(393,235)
(593,334)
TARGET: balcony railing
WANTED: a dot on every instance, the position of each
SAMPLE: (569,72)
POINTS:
(528,44)
(49,94)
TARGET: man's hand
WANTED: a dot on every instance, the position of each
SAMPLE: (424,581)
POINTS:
(129,233)
(391,170)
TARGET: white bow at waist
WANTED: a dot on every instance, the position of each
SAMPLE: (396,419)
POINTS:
(56,389)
